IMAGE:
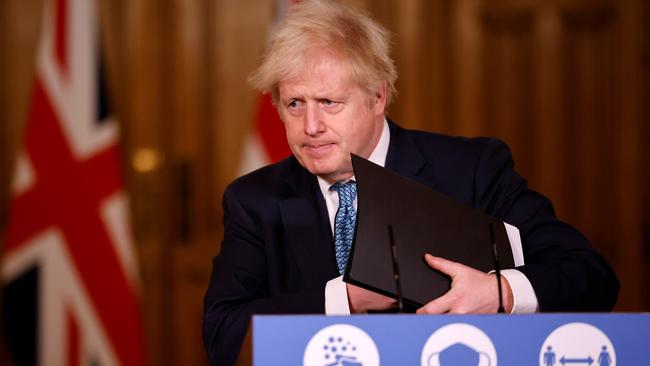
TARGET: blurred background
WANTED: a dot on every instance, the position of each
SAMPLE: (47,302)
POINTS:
(566,83)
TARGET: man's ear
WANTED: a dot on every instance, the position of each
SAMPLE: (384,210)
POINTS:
(379,105)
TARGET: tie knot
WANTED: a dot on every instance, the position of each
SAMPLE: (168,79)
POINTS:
(347,191)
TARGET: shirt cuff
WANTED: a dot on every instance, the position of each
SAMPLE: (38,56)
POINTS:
(336,297)
(524,298)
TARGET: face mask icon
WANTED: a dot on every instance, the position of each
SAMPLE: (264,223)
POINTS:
(459,354)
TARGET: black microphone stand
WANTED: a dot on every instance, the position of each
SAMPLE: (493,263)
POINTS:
(497,269)
(398,283)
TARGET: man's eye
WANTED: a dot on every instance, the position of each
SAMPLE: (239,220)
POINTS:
(295,104)
(328,102)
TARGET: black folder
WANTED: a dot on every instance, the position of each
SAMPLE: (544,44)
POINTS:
(423,221)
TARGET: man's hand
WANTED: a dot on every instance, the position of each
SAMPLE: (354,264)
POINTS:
(362,300)
(472,291)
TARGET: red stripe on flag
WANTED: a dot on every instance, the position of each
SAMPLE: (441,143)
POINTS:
(61,34)
(73,339)
(271,130)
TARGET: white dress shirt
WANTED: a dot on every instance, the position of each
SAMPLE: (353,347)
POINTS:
(336,295)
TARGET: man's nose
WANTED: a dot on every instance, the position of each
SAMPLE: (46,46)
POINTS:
(313,123)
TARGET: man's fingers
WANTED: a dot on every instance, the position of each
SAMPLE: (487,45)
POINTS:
(443,265)
(440,305)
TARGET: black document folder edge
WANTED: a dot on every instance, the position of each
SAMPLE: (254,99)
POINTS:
(439,283)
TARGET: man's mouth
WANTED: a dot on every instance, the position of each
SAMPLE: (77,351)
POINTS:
(318,149)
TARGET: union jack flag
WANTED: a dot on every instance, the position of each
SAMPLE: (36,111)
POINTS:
(68,269)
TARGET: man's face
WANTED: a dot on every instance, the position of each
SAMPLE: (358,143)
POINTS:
(327,116)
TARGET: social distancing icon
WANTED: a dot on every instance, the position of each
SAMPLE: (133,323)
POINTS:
(577,344)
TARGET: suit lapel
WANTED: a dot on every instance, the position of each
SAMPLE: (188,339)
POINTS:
(306,225)
(304,213)
(405,158)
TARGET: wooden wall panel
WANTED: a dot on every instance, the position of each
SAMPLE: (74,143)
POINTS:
(587,110)
(508,90)
(188,139)
(466,60)
(549,155)
(631,125)
(596,133)
(239,37)
(139,92)
(644,137)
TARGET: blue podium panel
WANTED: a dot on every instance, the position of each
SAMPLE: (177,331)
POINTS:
(483,340)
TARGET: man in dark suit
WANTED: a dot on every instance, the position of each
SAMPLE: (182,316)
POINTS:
(286,225)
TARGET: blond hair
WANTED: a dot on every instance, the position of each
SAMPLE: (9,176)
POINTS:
(315,25)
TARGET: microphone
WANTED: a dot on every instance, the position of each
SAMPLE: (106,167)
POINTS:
(497,269)
(398,283)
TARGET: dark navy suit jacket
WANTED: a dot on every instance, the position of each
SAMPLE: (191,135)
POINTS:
(278,253)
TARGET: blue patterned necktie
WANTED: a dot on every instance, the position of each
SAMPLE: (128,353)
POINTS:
(344,223)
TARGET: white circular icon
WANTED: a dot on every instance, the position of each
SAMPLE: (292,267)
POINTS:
(577,344)
(457,344)
(339,345)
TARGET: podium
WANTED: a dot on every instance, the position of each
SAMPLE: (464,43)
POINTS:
(484,340)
